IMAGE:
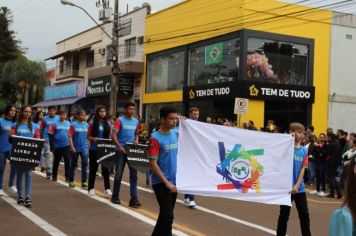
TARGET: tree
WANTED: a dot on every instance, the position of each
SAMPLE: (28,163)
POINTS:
(21,80)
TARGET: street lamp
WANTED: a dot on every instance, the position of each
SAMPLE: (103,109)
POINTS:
(115,45)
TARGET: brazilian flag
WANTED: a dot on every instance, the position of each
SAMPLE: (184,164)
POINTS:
(214,54)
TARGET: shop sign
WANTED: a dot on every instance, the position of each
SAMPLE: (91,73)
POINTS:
(126,85)
(210,91)
(99,86)
(125,28)
(61,91)
(241,106)
(278,92)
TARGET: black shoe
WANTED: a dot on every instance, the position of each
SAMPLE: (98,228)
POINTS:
(20,201)
(48,176)
(134,203)
(28,203)
(147,182)
(116,201)
(330,196)
(54,179)
(339,196)
(43,169)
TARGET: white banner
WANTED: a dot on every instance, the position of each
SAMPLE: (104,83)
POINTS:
(234,163)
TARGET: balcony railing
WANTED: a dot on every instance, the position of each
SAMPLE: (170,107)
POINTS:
(69,73)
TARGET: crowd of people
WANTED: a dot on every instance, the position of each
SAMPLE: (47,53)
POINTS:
(325,161)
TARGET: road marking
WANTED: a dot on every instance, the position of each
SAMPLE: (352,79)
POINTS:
(50,229)
(118,207)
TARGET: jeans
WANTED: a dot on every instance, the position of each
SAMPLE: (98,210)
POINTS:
(74,163)
(320,175)
(48,157)
(190,196)
(334,185)
(166,201)
(93,168)
(120,161)
(3,157)
(300,200)
(312,171)
(58,154)
(28,183)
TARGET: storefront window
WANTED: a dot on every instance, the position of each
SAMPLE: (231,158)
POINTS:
(152,110)
(277,62)
(165,73)
(214,63)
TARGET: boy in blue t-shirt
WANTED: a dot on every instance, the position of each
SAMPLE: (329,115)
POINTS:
(162,152)
(300,162)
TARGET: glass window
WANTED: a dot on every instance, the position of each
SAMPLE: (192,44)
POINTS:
(109,54)
(165,73)
(90,59)
(130,47)
(214,63)
(277,62)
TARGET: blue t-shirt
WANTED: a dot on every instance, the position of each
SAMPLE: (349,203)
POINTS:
(60,131)
(93,146)
(300,161)
(341,223)
(79,132)
(48,121)
(164,149)
(24,131)
(5,128)
(126,128)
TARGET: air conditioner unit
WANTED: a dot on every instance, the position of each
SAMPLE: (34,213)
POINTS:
(140,40)
(105,15)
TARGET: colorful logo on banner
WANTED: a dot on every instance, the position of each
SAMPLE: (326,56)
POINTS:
(239,168)
(214,54)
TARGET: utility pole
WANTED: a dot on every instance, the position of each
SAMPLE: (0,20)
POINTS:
(115,60)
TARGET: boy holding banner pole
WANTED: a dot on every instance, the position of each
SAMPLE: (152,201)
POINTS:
(6,124)
(162,152)
(300,162)
(25,128)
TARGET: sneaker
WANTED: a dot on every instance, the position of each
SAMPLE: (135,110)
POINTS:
(339,196)
(116,201)
(97,174)
(84,186)
(91,192)
(28,202)
(2,193)
(71,184)
(192,204)
(314,192)
(20,201)
(43,169)
(186,201)
(54,179)
(48,175)
(13,189)
(108,192)
(134,203)
(321,194)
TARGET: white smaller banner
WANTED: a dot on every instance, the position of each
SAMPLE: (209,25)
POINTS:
(228,162)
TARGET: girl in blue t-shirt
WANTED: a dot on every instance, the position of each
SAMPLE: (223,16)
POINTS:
(78,144)
(25,128)
(5,147)
(100,128)
(37,121)
(343,220)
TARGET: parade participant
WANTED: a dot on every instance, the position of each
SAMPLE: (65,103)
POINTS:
(189,199)
(37,121)
(100,128)
(25,128)
(78,144)
(48,155)
(162,152)
(300,162)
(343,221)
(125,130)
(6,124)
(59,144)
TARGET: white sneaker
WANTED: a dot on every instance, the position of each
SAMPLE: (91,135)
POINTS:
(2,193)
(321,194)
(186,201)
(314,192)
(91,192)
(13,189)
(108,192)
(192,204)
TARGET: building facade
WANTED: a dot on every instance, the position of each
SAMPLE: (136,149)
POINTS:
(205,54)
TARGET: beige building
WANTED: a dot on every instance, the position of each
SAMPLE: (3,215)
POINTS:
(85,58)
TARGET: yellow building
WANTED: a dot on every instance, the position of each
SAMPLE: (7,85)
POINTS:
(206,53)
